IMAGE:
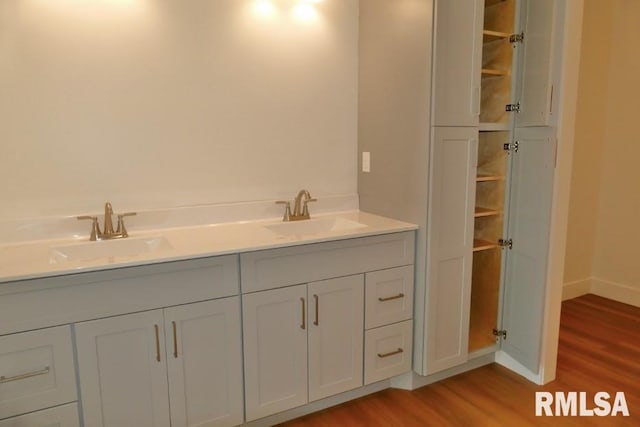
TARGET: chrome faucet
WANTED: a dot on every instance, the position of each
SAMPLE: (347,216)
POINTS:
(108,233)
(300,207)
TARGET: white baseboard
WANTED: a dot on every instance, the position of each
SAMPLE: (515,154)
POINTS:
(412,381)
(603,288)
(616,291)
(318,405)
(575,289)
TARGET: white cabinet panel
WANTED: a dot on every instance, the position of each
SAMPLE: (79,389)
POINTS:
(36,371)
(275,350)
(61,416)
(387,351)
(275,268)
(122,366)
(388,296)
(531,195)
(204,358)
(450,246)
(535,83)
(458,59)
(335,335)
(78,297)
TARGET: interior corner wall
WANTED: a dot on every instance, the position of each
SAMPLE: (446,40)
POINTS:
(165,103)
(394,122)
(605,200)
(591,113)
(616,269)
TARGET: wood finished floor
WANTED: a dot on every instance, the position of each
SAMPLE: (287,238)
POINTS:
(599,350)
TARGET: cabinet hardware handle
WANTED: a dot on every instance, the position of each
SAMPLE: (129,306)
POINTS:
(392,353)
(304,314)
(44,371)
(175,339)
(400,295)
(316,321)
(157,329)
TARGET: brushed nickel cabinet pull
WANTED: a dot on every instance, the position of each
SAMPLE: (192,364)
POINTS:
(400,295)
(304,314)
(157,329)
(392,353)
(175,339)
(44,371)
(316,321)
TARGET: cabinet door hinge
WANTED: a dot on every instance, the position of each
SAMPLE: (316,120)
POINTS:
(512,108)
(506,243)
(500,333)
(512,147)
(516,38)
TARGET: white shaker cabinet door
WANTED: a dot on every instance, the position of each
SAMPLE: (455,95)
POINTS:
(457,62)
(336,330)
(275,350)
(450,246)
(535,84)
(530,206)
(204,358)
(123,371)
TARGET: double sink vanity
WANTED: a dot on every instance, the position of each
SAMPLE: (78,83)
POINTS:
(207,324)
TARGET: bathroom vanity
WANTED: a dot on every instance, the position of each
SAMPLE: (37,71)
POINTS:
(217,326)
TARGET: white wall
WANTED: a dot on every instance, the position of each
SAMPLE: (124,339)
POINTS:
(602,254)
(162,103)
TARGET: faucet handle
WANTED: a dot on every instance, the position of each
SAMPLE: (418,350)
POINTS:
(95,228)
(120,229)
(305,208)
(287,210)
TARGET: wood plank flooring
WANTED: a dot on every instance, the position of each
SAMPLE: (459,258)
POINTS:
(599,350)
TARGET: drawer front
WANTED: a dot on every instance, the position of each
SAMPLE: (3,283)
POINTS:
(61,416)
(389,296)
(387,351)
(36,371)
(275,268)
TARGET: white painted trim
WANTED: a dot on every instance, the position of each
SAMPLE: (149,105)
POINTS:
(616,291)
(576,289)
(412,381)
(570,22)
(319,405)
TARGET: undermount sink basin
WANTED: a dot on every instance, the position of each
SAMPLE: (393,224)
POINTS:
(87,251)
(314,226)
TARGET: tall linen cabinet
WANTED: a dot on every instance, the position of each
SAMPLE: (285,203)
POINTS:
(486,153)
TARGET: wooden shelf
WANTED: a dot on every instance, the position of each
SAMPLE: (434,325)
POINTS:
(488,127)
(489,3)
(491,36)
(483,245)
(482,212)
(485,178)
(490,72)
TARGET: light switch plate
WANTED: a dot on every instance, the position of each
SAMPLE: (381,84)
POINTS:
(366,161)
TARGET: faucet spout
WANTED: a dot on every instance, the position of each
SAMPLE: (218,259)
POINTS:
(108,222)
(297,207)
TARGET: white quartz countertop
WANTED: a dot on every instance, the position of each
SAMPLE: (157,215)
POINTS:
(37,259)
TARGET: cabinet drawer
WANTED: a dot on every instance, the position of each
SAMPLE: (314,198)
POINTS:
(389,296)
(275,268)
(61,416)
(387,351)
(36,371)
